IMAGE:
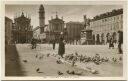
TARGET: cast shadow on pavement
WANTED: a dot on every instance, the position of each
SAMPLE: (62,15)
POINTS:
(12,61)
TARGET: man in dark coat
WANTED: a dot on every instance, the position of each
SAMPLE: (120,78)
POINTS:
(33,42)
(120,42)
(111,43)
(61,49)
(54,44)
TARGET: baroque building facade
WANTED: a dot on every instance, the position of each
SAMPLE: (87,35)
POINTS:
(22,29)
(107,25)
(8,30)
(56,29)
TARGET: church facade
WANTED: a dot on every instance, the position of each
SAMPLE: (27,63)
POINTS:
(56,29)
(22,29)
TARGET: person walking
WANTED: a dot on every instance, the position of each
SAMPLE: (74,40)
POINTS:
(33,42)
(111,43)
(54,44)
(61,50)
(120,42)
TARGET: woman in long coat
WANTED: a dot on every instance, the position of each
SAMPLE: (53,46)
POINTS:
(61,49)
(111,43)
(120,42)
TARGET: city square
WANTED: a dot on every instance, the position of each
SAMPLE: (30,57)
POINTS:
(58,40)
(49,67)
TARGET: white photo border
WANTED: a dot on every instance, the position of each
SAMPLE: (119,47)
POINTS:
(71,2)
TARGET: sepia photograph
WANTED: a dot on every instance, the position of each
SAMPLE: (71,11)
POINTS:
(60,80)
(48,40)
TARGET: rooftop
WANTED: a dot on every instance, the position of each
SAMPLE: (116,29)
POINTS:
(108,14)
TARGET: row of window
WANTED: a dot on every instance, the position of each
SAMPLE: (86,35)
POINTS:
(107,25)
(106,30)
(97,24)
(108,20)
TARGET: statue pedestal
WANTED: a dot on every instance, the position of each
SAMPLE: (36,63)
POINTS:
(89,40)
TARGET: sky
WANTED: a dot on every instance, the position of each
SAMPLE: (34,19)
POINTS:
(69,12)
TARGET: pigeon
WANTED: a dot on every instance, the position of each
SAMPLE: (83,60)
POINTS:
(94,71)
(97,62)
(24,60)
(78,73)
(40,57)
(106,59)
(48,54)
(73,63)
(120,58)
(114,59)
(59,62)
(89,68)
(76,54)
(70,72)
(60,73)
(36,56)
(38,69)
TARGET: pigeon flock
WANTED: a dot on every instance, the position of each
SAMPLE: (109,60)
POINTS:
(97,59)
(73,58)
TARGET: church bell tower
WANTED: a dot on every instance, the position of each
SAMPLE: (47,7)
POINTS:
(41,18)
